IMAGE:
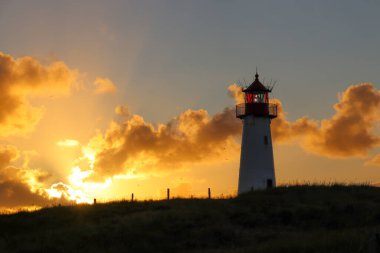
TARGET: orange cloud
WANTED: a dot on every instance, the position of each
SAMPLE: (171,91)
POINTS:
(104,85)
(193,136)
(236,92)
(284,131)
(349,133)
(23,78)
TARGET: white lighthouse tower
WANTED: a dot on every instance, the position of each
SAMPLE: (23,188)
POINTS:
(256,161)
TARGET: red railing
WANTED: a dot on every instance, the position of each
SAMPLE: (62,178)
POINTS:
(256,109)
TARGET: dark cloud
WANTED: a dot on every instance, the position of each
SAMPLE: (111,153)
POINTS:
(18,194)
(20,186)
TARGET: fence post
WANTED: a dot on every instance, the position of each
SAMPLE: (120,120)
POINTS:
(132,197)
(209,193)
(94,201)
(168,194)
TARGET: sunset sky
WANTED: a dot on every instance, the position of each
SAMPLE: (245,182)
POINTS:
(99,99)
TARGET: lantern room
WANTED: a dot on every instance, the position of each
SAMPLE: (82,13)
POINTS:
(256,92)
(256,101)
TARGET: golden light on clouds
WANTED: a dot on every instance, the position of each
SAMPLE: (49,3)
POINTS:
(348,133)
(22,79)
(192,137)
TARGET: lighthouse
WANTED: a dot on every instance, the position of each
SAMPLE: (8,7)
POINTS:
(256,160)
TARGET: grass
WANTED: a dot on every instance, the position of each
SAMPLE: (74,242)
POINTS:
(311,218)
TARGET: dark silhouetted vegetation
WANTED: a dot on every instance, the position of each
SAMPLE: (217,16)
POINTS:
(293,219)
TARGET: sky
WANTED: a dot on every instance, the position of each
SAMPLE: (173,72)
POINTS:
(101,99)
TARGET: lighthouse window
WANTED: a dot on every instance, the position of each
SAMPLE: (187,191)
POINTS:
(266,140)
(249,98)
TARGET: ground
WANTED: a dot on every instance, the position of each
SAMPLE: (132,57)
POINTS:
(334,218)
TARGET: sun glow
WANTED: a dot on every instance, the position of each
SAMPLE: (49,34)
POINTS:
(63,191)
(82,185)
(77,176)
(79,187)
(78,190)
(77,179)
(68,143)
(90,155)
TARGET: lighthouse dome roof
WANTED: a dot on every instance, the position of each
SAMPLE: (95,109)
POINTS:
(256,86)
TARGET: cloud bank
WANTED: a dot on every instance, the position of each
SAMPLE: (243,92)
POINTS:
(348,133)
(195,136)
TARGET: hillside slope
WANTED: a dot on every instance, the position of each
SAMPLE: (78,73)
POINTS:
(285,219)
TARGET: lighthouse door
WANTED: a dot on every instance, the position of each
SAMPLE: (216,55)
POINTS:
(269,183)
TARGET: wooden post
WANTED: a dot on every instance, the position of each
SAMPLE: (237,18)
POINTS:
(168,194)
(209,193)
(94,201)
(132,197)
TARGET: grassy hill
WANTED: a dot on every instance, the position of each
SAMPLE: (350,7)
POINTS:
(286,219)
